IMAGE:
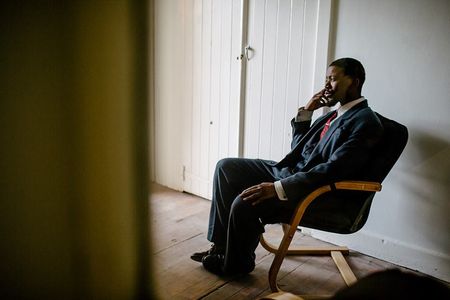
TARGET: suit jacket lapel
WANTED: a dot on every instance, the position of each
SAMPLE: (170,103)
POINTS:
(293,155)
(317,126)
(340,121)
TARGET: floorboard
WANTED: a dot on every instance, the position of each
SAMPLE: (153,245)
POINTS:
(179,223)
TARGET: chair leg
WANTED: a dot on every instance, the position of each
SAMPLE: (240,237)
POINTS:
(346,273)
(289,296)
(280,253)
(268,246)
(281,296)
(285,227)
(282,250)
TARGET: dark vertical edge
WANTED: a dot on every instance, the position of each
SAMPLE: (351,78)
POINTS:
(141,17)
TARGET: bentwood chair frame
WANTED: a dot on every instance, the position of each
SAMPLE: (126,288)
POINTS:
(392,144)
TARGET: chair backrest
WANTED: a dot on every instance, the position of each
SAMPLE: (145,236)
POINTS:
(388,150)
(347,211)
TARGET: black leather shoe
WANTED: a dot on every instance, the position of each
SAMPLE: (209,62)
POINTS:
(214,263)
(198,256)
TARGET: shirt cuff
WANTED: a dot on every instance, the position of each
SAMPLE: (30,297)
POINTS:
(303,115)
(280,191)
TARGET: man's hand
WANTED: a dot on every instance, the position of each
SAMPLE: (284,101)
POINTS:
(258,193)
(317,101)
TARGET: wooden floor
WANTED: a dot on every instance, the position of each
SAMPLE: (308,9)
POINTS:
(179,222)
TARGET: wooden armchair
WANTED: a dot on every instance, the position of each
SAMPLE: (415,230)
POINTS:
(340,207)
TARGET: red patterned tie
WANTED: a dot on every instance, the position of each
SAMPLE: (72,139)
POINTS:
(327,124)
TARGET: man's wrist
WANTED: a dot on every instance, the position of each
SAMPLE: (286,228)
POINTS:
(303,115)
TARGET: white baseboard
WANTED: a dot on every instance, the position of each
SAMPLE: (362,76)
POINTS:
(394,251)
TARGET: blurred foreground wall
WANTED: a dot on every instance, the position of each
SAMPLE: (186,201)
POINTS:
(73,150)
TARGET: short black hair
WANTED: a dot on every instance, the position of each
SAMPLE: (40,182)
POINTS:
(352,67)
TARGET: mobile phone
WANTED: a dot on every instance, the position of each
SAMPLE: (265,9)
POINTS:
(324,100)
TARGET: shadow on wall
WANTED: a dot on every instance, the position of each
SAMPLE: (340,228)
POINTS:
(427,178)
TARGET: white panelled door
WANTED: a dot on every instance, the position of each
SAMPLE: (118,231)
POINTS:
(211,104)
(281,74)
(283,38)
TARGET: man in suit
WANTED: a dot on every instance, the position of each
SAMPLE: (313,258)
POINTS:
(248,193)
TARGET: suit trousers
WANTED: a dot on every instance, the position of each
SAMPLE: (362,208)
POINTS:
(235,224)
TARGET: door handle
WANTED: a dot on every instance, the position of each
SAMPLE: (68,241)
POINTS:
(245,54)
(247,50)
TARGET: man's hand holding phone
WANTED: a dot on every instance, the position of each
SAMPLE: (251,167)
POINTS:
(317,101)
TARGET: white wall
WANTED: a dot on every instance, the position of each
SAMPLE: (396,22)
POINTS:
(169,84)
(405,47)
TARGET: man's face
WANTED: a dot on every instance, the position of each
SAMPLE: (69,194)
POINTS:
(336,85)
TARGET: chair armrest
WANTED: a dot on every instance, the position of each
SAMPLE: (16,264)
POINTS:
(368,186)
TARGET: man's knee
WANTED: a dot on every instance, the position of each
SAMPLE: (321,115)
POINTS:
(241,209)
(225,163)
(226,166)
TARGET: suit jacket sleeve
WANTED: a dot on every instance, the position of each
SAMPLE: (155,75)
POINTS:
(298,131)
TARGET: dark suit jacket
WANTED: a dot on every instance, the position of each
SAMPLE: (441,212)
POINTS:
(339,155)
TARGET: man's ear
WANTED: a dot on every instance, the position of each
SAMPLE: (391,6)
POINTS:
(356,82)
